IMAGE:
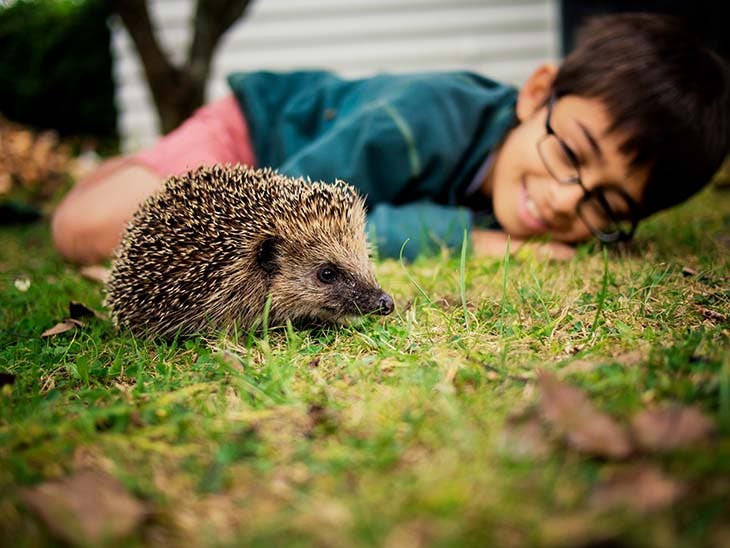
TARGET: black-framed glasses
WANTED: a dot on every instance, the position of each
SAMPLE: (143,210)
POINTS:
(607,210)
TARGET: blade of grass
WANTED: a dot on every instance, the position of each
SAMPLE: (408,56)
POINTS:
(601,294)
(265,319)
(503,306)
(462,280)
(409,276)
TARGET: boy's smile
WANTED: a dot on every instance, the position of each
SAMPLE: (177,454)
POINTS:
(527,196)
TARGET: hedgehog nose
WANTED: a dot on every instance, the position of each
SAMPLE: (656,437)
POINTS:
(385,304)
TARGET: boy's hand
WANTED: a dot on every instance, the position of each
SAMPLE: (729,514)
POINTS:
(493,243)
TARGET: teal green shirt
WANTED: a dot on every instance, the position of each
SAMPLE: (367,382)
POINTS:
(410,143)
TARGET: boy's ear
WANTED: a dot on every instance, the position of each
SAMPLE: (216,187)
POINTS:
(535,92)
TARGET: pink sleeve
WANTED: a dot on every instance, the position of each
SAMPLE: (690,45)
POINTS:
(215,134)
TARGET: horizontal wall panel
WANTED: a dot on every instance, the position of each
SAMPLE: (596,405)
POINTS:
(503,40)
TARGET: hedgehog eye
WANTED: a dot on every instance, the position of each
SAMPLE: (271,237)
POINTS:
(327,274)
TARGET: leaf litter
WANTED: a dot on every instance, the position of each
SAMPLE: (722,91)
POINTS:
(61,327)
(670,428)
(569,411)
(76,310)
(640,488)
(636,483)
(89,507)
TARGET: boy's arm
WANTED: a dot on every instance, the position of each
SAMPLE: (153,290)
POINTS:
(424,227)
(493,243)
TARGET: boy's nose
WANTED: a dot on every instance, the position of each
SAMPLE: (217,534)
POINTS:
(564,198)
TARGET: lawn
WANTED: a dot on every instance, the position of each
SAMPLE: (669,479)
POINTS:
(506,402)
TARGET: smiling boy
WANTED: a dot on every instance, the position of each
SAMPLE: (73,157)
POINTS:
(635,120)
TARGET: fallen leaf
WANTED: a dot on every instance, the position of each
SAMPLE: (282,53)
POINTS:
(523,437)
(587,365)
(710,314)
(642,488)
(580,528)
(416,533)
(571,413)
(78,310)
(87,508)
(95,273)
(231,359)
(670,428)
(62,327)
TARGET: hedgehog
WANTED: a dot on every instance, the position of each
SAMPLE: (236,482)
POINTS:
(208,251)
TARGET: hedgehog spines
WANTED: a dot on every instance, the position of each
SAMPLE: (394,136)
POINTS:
(208,249)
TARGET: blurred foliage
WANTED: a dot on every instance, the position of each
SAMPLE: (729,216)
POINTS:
(56,66)
(35,169)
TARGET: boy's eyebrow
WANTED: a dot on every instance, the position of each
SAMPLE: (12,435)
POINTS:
(591,140)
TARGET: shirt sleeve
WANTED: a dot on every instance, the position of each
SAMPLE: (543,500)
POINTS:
(418,228)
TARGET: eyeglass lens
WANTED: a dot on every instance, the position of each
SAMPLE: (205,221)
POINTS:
(606,213)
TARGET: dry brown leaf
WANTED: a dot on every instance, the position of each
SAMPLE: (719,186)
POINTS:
(580,528)
(710,314)
(35,162)
(670,428)
(231,359)
(586,365)
(86,508)
(62,327)
(417,533)
(523,437)
(571,413)
(95,273)
(642,488)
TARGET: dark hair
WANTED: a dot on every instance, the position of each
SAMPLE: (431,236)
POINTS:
(664,90)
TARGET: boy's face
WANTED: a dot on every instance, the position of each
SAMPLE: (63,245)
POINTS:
(527,198)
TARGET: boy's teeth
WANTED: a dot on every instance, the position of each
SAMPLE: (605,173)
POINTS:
(532,208)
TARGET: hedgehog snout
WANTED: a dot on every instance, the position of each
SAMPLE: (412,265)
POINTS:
(377,302)
(386,304)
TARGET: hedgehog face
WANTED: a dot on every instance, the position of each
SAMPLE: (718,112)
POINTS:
(347,294)
(327,283)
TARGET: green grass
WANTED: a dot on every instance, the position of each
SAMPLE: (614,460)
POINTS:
(385,433)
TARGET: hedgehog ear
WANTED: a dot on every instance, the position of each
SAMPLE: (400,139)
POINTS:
(267,254)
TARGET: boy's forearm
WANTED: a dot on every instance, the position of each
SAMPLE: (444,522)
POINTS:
(493,244)
(88,223)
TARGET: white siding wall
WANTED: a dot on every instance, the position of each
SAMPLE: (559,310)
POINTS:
(502,39)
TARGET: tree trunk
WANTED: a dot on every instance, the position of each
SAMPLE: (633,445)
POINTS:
(178,91)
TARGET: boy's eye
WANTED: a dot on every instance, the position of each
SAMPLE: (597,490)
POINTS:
(572,156)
